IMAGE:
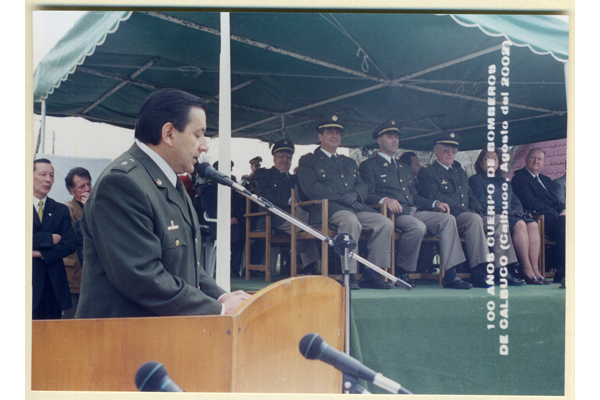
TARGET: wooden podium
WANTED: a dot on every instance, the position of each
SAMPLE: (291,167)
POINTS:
(253,351)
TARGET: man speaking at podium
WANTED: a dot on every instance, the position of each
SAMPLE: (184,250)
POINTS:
(141,234)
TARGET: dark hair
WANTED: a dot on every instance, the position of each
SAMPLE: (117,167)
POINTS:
(40,160)
(79,171)
(478,168)
(162,106)
(406,157)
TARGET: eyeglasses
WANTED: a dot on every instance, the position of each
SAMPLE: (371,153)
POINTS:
(284,156)
(449,150)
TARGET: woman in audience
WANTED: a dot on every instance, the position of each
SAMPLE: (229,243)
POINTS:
(489,184)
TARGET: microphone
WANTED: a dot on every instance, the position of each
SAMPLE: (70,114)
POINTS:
(208,172)
(312,347)
(153,377)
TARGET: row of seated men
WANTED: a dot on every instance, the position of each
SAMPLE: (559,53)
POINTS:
(438,200)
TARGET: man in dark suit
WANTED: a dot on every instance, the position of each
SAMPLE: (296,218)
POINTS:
(79,183)
(446,180)
(142,241)
(537,194)
(275,184)
(327,175)
(209,199)
(391,183)
(410,159)
(53,239)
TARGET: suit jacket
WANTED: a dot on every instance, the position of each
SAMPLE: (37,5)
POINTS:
(276,187)
(72,263)
(560,185)
(321,177)
(479,185)
(385,180)
(142,246)
(55,220)
(533,196)
(449,186)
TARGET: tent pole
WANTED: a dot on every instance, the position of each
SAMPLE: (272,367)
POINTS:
(43,141)
(224,192)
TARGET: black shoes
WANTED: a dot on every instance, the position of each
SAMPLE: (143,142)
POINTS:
(452,281)
(370,280)
(353,284)
(510,280)
(479,278)
(405,277)
(455,283)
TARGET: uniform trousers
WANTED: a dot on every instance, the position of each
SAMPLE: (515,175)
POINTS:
(414,228)
(308,249)
(379,244)
(471,226)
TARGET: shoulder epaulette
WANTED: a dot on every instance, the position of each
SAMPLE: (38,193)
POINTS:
(125,165)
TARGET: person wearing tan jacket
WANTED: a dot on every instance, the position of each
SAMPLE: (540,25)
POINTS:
(79,184)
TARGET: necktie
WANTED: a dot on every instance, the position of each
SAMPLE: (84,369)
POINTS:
(394,162)
(181,189)
(41,209)
(537,177)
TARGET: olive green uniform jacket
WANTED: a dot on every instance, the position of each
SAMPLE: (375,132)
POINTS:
(142,246)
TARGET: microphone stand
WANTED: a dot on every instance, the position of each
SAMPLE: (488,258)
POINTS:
(351,385)
(307,228)
(343,243)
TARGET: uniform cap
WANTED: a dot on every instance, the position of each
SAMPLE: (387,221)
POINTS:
(389,126)
(283,145)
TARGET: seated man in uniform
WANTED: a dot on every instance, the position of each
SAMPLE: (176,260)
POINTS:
(445,180)
(391,183)
(275,184)
(410,159)
(327,175)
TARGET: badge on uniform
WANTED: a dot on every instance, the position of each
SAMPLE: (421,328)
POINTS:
(444,182)
(172,227)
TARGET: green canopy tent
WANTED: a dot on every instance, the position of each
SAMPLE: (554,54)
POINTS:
(287,70)
(429,72)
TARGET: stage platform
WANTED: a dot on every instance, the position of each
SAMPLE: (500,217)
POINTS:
(441,341)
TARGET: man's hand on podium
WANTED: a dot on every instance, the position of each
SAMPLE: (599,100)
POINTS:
(231,301)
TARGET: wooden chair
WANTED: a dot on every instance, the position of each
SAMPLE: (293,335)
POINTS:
(327,230)
(427,239)
(544,242)
(269,238)
(323,228)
